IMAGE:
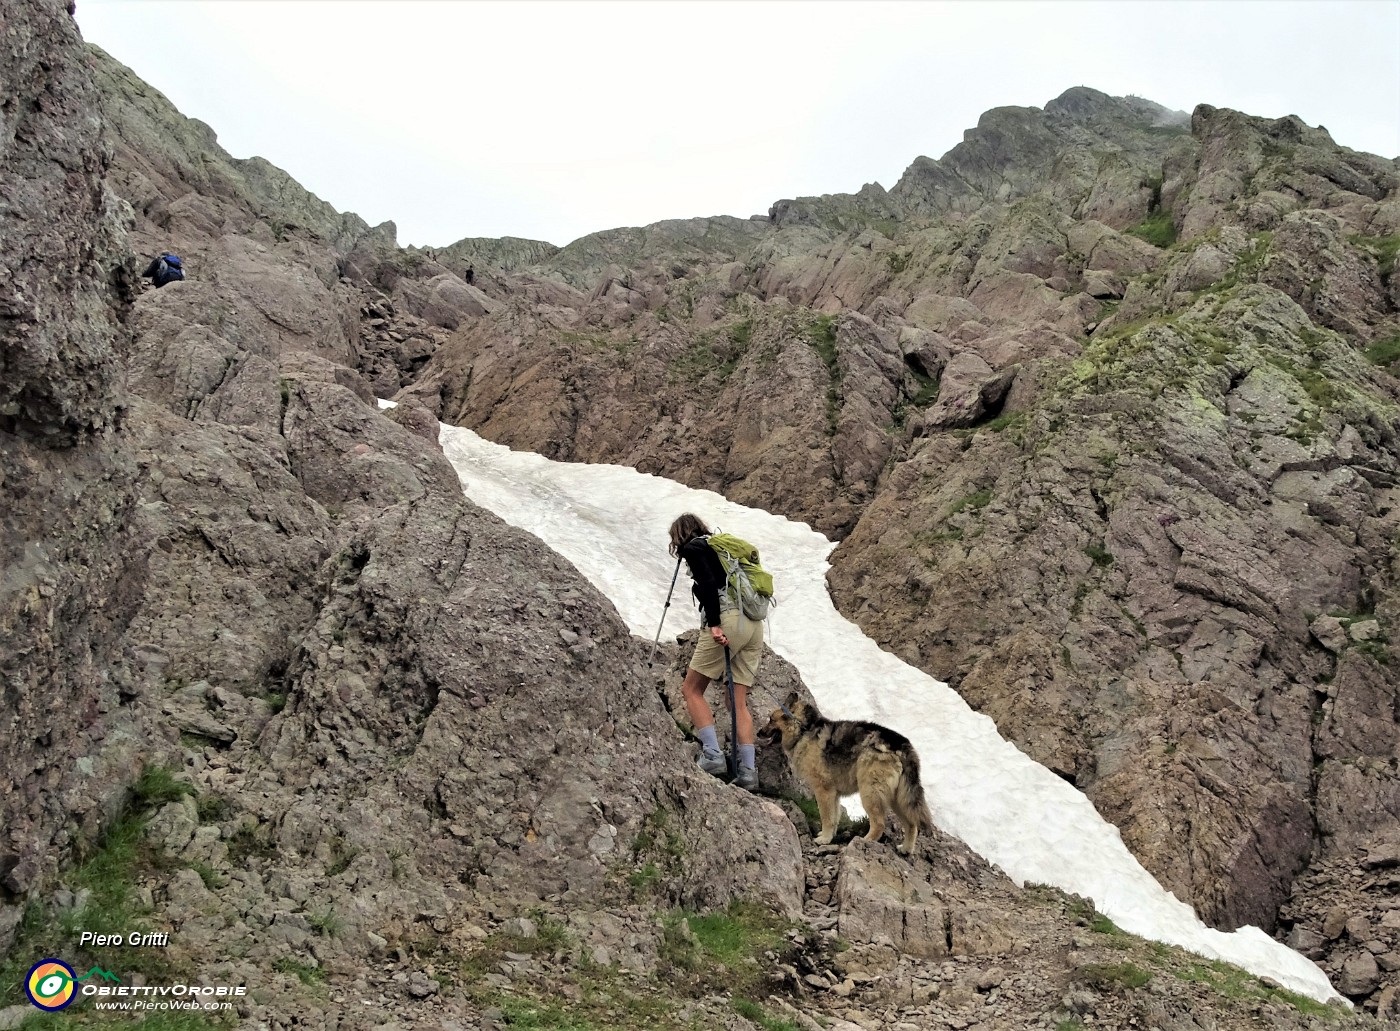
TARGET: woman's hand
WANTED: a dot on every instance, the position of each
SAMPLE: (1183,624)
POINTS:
(718,634)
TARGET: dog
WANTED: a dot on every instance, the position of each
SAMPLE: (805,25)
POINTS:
(843,757)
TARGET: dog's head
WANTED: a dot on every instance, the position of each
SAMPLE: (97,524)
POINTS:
(785,725)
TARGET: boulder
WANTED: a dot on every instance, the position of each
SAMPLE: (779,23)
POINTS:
(878,900)
(1360,976)
(968,389)
(1329,632)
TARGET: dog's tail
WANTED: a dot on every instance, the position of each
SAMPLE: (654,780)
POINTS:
(909,792)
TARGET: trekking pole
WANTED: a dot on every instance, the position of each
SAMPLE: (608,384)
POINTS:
(657,641)
(733,718)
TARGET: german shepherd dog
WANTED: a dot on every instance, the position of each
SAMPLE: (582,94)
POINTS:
(843,757)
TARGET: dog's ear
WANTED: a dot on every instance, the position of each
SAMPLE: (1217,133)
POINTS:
(792,699)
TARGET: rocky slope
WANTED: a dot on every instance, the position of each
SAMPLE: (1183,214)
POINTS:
(1101,404)
(356,744)
(280,634)
(69,586)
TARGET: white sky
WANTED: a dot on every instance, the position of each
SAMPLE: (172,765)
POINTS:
(553,120)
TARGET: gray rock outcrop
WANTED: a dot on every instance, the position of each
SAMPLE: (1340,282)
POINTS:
(69,582)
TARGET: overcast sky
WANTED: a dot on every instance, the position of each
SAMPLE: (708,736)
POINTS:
(553,120)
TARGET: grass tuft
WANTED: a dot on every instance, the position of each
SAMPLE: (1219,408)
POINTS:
(157,785)
(1007,420)
(1233,983)
(1101,556)
(722,948)
(1384,352)
(326,922)
(1113,975)
(214,808)
(976,501)
(1157,229)
(303,972)
(752,1011)
(1385,249)
(537,1015)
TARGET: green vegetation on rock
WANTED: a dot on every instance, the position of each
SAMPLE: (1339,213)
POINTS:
(821,335)
(1385,249)
(846,828)
(1157,229)
(105,884)
(973,501)
(1234,983)
(701,954)
(1111,975)
(303,972)
(1384,352)
(752,1011)
(657,852)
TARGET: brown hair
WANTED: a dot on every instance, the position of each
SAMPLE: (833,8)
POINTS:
(684,528)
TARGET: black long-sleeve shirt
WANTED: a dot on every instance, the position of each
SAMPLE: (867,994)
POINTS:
(708,574)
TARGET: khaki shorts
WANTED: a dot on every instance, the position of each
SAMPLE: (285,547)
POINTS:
(745,648)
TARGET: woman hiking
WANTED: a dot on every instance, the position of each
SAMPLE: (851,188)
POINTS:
(725,625)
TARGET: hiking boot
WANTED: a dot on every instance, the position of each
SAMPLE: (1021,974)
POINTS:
(712,762)
(747,779)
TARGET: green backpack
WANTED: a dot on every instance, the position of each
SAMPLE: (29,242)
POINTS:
(747,584)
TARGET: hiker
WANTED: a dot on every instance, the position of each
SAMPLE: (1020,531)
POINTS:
(725,625)
(164,269)
(471,274)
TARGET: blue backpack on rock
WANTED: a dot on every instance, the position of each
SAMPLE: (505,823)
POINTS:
(165,269)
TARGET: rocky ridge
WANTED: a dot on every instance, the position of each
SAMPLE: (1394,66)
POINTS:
(487,256)
(1124,393)
(290,638)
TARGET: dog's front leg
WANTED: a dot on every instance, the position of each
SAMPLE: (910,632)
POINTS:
(827,802)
